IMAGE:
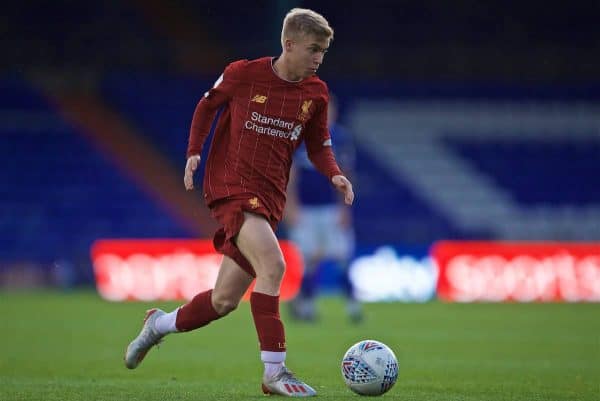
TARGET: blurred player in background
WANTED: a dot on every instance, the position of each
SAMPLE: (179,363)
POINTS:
(320,224)
(270,105)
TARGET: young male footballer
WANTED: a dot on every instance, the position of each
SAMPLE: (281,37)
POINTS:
(270,105)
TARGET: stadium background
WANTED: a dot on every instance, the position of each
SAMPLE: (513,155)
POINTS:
(473,121)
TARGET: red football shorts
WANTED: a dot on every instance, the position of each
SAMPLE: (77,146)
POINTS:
(229,212)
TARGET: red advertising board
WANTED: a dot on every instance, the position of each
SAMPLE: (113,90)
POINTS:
(517,271)
(168,269)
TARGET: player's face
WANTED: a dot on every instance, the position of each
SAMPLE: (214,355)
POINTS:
(308,52)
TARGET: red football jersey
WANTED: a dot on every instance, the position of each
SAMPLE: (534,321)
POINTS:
(264,121)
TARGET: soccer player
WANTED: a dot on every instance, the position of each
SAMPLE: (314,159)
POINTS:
(320,224)
(270,105)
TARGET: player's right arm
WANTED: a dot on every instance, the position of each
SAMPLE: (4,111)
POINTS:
(204,114)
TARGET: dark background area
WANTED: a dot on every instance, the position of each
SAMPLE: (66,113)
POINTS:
(96,101)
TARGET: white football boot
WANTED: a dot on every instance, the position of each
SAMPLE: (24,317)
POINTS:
(148,337)
(285,383)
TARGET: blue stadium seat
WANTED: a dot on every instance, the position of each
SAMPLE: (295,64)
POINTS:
(59,193)
(555,173)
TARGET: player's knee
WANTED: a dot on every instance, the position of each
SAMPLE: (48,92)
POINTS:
(224,305)
(274,269)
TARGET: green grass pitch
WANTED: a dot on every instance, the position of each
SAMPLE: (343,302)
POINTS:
(59,346)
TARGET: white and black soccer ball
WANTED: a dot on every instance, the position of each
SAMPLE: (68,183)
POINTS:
(370,367)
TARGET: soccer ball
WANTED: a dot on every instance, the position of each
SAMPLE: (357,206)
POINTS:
(370,367)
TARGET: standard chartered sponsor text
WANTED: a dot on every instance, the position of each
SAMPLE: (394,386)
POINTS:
(278,127)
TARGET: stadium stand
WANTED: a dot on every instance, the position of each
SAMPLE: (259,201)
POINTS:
(59,193)
(558,172)
(149,71)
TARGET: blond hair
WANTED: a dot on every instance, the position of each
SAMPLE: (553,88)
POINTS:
(302,21)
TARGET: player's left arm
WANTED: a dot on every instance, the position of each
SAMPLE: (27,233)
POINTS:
(320,152)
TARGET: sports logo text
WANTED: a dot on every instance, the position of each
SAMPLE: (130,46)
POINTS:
(273,126)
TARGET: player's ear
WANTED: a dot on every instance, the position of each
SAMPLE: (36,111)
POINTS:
(287,45)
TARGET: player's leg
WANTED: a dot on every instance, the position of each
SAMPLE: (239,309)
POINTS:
(232,283)
(257,242)
(353,306)
(303,307)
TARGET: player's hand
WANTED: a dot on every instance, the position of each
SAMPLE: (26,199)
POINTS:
(344,186)
(190,168)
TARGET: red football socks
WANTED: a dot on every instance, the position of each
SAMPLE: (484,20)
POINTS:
(196,313)
(265,311)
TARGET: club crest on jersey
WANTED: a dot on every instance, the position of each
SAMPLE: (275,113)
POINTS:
(304,110)
(254,203)
(259,99)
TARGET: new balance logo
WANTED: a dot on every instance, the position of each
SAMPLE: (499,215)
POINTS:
(259,99)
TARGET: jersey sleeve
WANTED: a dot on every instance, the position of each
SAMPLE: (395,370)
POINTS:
(318,142)
(222,91)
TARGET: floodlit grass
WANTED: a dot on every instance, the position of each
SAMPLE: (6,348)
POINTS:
(69,346)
